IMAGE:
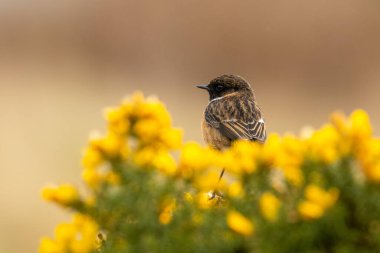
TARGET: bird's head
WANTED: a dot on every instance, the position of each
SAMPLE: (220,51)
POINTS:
(225,85)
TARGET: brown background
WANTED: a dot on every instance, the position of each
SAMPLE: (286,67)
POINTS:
(61,62)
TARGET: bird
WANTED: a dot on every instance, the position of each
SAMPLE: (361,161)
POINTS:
(231,114)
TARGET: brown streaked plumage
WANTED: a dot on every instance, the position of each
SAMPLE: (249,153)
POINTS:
(232,113)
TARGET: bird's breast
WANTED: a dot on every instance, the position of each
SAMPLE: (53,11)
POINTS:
(213,137)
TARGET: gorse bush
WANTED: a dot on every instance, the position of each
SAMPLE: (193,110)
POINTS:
(149,192)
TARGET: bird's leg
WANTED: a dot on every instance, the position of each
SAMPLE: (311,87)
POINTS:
(221,175)
(215,193)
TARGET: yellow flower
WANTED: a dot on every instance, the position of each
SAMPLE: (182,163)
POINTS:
(271,149)
(171,138)
(92,177)
(321,197)
(140,108)
(269,206)
(359,125)
(152,157)
(204,201)
(48,245)
(111,145)
(310,210)
(188,197)
(112,178)
(291,152)
(239,223)
(235,190)
(369,159)
(208,179)
(79,236)
(91,158)
(293,174)
(64,194)
(85,238)
(144,156)
(147,130)
(167,213)
(325,144)
(117,119)
(165,163)
(339,121)
(64,232)
(242,157)
(317,201)
(373,172)
(195,157)
(289,159)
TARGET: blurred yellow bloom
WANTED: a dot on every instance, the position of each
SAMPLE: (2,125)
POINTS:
(195,157)
(151,108)
(242,157)
(145,156)
(324,144)
(235,190)
(64,194)
(165,163)
(188,197)
(110,145)
(239,223)
(64,232)
(271,149)
(269,206)
(167,212)
(373,172)
(147,130)
(369,159)
(289,159)
(293,174)
(112,178)
(321,197)
(317,201)
(292,151)
(79,236)
(92,177)
(171,138)
(339,121)
(91,158)
(208,179)
(359,125)
(310,210)
(117,119)
(204,201)
(48,245)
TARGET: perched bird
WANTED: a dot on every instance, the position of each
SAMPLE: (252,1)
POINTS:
(231,114)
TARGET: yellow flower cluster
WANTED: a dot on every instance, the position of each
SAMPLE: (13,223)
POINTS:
(269,206)
(167,212)
(317,201)
(139,132)
(239,223)
(140,136)
(79,236)
(65,194)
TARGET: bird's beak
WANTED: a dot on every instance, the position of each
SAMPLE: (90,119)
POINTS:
(204,87)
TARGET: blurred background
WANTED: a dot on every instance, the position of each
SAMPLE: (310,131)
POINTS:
(61,62)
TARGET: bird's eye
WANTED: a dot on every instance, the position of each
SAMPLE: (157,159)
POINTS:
(219,88)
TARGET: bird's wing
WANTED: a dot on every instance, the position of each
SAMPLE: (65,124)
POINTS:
(254,130)
(236,123)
